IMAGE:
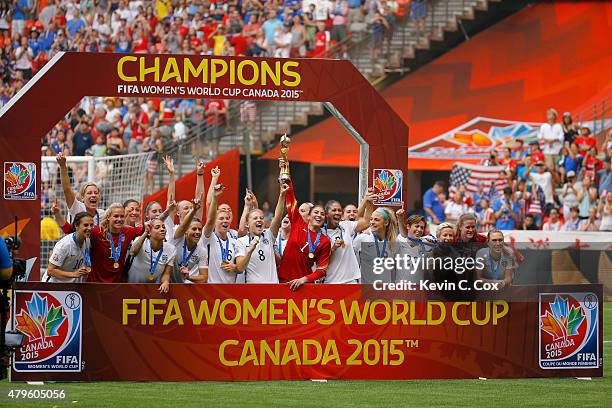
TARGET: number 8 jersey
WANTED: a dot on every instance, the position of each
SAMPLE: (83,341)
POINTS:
(262,265)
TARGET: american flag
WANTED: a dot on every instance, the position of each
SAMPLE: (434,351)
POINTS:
(472,175)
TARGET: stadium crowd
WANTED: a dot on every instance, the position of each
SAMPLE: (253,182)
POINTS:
(560,182)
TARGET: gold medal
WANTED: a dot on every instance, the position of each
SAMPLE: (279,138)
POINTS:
(311,255)
(88,269)
(116,265)
(151,277)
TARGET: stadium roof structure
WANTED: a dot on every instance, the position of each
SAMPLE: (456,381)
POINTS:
(68,77)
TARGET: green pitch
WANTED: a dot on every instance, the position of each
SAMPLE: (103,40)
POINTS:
(565,392)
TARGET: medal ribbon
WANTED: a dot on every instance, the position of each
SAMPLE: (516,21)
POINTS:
(86,254)
(185,257)
(280,244)
(116,252)
(224,252)
(159,254)
(384,248)
(311,248)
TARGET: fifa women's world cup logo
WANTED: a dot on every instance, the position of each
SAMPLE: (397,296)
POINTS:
(569,330)
(51,322)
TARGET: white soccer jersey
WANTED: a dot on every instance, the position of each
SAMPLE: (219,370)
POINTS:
(141,266)
(79,206)
(343,265)
(212,246)
(68,257)
(262,265)
(496,269)
(198,260)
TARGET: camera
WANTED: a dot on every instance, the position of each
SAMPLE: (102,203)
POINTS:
(13,243)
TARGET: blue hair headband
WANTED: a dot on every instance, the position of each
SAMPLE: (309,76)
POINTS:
(383,213)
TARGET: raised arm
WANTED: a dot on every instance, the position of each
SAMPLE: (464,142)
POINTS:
(65,180)
(137,245)
(401,221)
(290,201)
(243,261)
(216,173)
(279,211)
(199,190)
(211,213)
(180,231)
(365,210)
(171,196)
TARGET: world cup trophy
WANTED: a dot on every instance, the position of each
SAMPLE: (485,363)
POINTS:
(284,174)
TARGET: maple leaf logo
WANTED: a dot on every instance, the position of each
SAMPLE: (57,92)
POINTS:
(563,322)
(38,320)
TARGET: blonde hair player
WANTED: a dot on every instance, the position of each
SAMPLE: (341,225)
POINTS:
(219,244)
(89,194)
(383,233)
(261,266)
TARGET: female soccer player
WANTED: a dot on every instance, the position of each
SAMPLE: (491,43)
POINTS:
(110,246)
(283,237)
(343,265)
(153,258)
(89,193)
(132,213)
(499,265)
(223,207)
(261,266)
(70,260)
(219,244)
(190,262)
(383,237)
(307,245)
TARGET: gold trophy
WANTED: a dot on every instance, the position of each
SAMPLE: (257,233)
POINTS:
(284,175)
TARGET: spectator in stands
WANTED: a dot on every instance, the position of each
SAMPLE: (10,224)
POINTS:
(298,38)
(570,129)
(339,33)
(572,223)
(554,223)
(282,41)
(506,211)
(24,55)
(592,164)
(591,223)
(321,43)
(82,139)
(604,211)
(529,223)
(21,9)
(544,179)
(486,216)
(99,149)
(569,194)
(379,26)
(605,178)
(270,27)
(431,204)
(115,145)
(587,198)
(585,141)
(455,208)
(535,152)
(551,137)
(572,161)
(138,121)
(216,114)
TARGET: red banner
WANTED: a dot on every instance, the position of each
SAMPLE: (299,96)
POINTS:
(229,163)
(265,332)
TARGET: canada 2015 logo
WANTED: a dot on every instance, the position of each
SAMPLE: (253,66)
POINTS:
(388,186)
(569,330)
(51,322)
(19,181)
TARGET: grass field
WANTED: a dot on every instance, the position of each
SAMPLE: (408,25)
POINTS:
(565,392)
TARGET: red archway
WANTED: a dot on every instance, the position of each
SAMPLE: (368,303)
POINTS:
(70,76)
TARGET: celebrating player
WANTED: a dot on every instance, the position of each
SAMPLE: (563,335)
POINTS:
(219,244)
(499,265)
(383,233)
(349,213)
(307,245)
(343,266)
(283,237)
(190,263)
(110,246)
(132,213)
(261,267)
(89,193)
(153,258)
(70,260)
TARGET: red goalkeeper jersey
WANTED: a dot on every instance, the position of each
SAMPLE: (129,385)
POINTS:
(295,262)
